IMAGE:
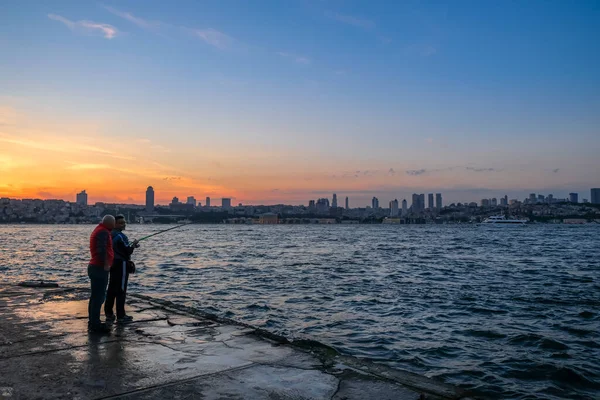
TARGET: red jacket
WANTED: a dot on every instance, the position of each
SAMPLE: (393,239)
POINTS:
(101,247)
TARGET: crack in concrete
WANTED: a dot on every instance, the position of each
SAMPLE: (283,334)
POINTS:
(158,343)
(9,343)
(41,352)
(276,365)
(339,386)
(227,345)
(173,383)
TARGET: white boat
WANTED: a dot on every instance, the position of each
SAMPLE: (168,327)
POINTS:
(500,219)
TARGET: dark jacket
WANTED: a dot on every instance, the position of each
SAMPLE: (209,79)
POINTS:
(120,243)
(101,247)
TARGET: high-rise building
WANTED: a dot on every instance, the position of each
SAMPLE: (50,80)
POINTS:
(494,202)
(334,202)
(550,199)
(375,203)
(574,197)
(394,208)
(322,206)
(207,203)
(595,195)
(175,200)
(485,203)
(191,200)
(532,198)
(347,203)
(82,198)
(149,199)
(541,198)
(430,201)
(404,207)
(418,203)
(311,204)
(415,203)
(438,201)
(225,203)
(503,201)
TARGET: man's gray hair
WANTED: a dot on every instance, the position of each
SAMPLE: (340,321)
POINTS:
(108,219)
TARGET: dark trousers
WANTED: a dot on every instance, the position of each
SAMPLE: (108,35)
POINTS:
(98,280)
(117,289)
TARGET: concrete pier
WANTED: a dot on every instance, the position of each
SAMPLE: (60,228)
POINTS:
(174,352)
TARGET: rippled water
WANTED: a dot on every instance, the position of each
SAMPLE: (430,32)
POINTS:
(513,312)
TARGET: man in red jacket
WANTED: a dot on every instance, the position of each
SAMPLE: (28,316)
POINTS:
(102,258)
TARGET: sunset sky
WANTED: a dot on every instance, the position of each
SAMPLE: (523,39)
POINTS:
(286,101)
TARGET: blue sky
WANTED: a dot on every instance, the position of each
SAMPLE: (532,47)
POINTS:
(470,97)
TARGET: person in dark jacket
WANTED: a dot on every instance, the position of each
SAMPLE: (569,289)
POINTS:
(101,250)
(119,273)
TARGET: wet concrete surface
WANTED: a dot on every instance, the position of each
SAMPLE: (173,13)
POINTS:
(173,352)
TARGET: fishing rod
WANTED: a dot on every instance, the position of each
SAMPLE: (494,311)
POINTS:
(163,231)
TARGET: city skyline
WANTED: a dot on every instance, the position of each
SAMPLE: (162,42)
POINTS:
(435,200)
(380,99)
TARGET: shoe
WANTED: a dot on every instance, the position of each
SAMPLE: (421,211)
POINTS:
(99,328)
(110,318)
(125,319)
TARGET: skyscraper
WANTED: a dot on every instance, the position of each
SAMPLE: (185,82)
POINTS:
(82,198)
(430,201)
(334,202)
(311,204)
(422,202)
(175,200)
(207,202)
(394,208)
(532,198)
(347,203)
(494,202)
(375,203)
(404,207)
(595,195)
(438,201)
(322,206)
(149,199)
(225,203)
(573,198)
(191,200)
(415,203)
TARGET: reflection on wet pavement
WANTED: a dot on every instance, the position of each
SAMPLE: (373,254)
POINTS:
(46,352)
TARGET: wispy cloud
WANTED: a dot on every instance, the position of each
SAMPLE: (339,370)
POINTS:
(422,171)
(61,145)
(89,27)
(213,37)
(391,172)
(481,169)
(352,20)
(298,59)
(141,22)
(76,166)
(555,170)
(416,172)
(420,49)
